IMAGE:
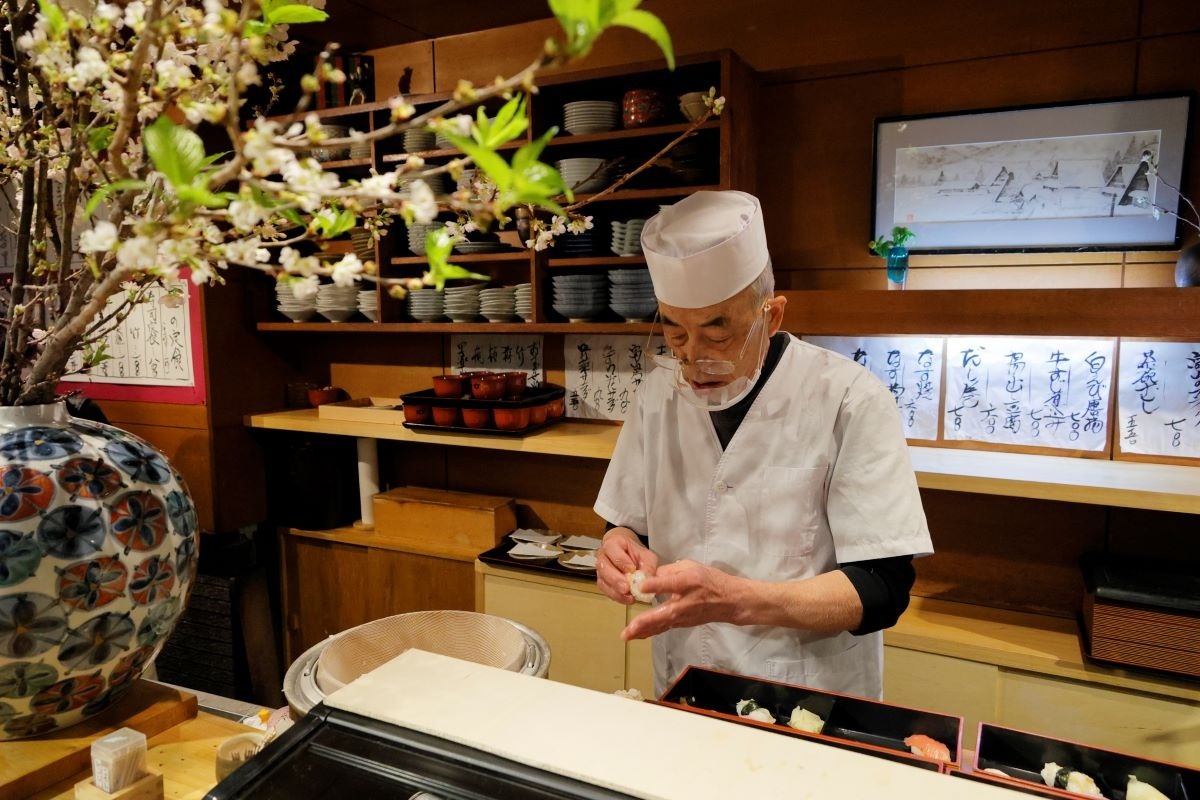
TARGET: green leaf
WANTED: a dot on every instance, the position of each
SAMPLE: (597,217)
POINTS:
(178,153)
(99,138)
(529,153)
(54,16)
(485,158)
(256,27)
(213,159)
(292,14)
(292,216)
(104,191)
(651,26)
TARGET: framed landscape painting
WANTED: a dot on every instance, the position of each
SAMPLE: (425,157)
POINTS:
(1039,178)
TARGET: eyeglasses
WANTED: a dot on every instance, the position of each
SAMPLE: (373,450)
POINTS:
(663,357)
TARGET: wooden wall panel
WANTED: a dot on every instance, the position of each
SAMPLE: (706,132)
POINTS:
(824,38)
(1008,552)
(390,63)
(555,493)
(815,172)
(1169,16)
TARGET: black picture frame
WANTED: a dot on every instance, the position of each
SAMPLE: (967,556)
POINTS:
(1033,178)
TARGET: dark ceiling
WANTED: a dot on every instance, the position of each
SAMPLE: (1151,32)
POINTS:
(367,24)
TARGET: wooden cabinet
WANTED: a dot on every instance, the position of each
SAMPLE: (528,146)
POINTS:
(719,156)
(1137,722)
(580,624)
(334,580)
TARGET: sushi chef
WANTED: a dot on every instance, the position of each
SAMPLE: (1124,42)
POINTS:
(762,485)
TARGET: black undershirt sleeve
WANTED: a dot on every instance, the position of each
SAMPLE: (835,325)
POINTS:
(883,585)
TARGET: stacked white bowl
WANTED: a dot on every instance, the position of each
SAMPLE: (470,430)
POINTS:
(337,303)
(627,237)
(462,303)
(292,307)
(367,304)
(590,116)
(443,143)
(498,305)
(326,153)
(417,233)
(584,175)
(417,140)
(426,305)
(523,297)
(631,294)
(360,150)
(581,298)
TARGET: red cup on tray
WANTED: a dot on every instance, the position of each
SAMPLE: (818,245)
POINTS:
(477,417)
(417,414)
(488,386)
(511,419)
(450,385)
(446,417)
(514,385)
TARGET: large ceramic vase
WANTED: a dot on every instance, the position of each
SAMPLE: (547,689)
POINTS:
(97,555)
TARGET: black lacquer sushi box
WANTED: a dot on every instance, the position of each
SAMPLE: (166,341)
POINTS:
(851,723)
(1023,787)
(1022,756)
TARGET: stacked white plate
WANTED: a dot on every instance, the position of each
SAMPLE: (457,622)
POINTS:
(584,175)
(581,298)
(443,143)
(367,304)
(523,297)
(417,233)
(337,303)
(360,150)
(418,141)
(590,116)
(426,305)
(293,308)
(462,303)
(498,305)
(631,294)
(627,237)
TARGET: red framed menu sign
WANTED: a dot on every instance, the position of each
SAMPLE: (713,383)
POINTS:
(156,354)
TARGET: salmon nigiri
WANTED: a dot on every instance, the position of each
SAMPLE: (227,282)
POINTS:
(922,745)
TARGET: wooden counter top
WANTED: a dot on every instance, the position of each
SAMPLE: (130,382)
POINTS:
(1010,639)
(185,755)
(1127,484)
(580,439)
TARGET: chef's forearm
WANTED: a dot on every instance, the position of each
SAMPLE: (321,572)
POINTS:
(826,603)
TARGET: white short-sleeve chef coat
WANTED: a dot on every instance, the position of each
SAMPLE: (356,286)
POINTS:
(817,474)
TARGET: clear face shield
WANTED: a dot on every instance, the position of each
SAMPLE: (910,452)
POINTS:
(686,374)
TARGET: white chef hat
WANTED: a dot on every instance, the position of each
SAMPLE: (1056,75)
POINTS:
(706,248)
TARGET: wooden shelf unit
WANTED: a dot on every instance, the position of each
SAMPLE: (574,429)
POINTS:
(730,167)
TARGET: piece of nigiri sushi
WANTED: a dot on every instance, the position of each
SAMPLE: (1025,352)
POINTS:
(1071,780)
(923,745)
(1140,790)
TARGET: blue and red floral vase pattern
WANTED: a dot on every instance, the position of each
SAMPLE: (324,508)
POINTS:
(97,555)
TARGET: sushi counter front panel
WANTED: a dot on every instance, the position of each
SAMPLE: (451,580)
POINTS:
(985,665)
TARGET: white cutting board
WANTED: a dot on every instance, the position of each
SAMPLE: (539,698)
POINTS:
(640,749)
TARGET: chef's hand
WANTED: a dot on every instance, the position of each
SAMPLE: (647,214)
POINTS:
(699,595)
(622,553)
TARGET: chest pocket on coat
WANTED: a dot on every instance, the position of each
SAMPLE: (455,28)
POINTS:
(791,510)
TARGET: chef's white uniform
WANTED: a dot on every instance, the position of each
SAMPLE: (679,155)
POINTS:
(817,474)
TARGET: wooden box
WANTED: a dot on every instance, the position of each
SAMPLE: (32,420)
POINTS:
(441,522)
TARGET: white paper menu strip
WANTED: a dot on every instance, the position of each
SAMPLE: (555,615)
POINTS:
(151,347)
(603,374)
(497,353)
(1038,392)
(909,366)
(1158,398)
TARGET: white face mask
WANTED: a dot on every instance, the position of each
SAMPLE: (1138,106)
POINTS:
(717,398)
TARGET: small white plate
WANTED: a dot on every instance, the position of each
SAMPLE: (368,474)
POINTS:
(532,535)
(531,551)
(580,543)
(573,559)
